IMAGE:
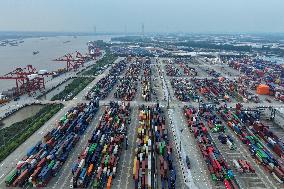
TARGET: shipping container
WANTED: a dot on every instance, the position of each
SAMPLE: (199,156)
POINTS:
(45,158)
(98,160)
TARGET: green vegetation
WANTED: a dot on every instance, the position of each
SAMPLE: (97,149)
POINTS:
(71,90)
(101,64)
(14,135)
(208,45)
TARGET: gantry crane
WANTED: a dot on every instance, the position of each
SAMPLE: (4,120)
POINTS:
(94,51)
(27,79)
(73,63)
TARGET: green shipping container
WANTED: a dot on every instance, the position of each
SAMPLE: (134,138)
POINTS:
(11,177)
(106,160)
(51,164)
(213,177)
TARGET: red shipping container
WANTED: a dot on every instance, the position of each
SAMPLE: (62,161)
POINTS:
(277,149)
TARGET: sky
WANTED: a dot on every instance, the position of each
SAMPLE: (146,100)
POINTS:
(217,16)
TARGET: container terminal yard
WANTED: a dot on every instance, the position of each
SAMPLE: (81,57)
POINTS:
(151,121)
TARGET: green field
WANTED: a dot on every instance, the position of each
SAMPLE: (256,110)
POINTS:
(106,60)
(71,90)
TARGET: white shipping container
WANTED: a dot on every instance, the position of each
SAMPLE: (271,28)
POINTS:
(30,179)
(98,169)
(115,149)
(149,143)
(271,165)
(42,71)
(75,111)
(33,162)
(146,150)
(141,157)
(237,165)
(108,172)
(98,132)
(43,154)
(271,141)
(102,139)
(229,143)
(20,162)
(82,163)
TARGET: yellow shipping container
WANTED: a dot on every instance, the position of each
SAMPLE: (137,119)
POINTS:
(105,147)
(139,129)
(146,139)
(134,167)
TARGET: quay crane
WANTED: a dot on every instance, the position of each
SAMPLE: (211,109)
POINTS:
(27,79)
(73,63)
(93,49)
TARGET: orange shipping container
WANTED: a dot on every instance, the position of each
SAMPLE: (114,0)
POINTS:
(262,89)
(90,169)
(109,182)
(230,124)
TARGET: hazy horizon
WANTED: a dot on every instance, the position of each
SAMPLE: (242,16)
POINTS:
(159,16)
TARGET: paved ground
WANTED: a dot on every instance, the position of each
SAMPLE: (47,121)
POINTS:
(258,180)
(184,142)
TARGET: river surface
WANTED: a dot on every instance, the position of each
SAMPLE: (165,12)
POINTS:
(49,48)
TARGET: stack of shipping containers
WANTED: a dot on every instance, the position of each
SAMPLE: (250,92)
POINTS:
(44,159)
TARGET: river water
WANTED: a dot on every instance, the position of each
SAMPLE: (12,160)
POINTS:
(49,48)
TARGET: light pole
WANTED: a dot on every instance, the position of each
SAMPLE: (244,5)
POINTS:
(3,136)
(180,139)
(168,102)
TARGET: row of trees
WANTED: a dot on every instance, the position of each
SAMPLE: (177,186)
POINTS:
(107,59)
(13,136)
(72,89)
